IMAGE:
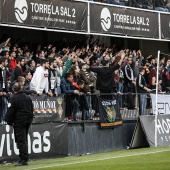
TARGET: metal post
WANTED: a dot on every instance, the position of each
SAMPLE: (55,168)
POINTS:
(156,112)
(159,25)
(88,19)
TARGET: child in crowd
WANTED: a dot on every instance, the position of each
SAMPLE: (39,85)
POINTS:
(83,100)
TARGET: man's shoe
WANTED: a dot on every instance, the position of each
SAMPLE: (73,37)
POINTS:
(22,163)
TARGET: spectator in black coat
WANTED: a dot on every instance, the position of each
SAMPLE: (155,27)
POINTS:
(142,88)
(105,75)
(20,115)
(17,71)
(4,90)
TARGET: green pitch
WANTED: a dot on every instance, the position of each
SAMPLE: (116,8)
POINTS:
(136,159)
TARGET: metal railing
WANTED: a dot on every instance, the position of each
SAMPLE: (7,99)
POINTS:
(128,106)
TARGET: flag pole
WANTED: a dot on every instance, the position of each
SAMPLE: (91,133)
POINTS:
(156,111)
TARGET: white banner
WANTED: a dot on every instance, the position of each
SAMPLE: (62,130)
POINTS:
(163,103)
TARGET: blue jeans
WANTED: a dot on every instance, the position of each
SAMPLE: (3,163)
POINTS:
(115,2)
(120,89)
(87,113)
(142,104)
(161,9)
(58,90)
(3,107)
(76,106)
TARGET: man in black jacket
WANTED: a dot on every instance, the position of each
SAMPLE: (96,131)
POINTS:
(4,90)
(142,88)
(17,71)
(105,75)
(20,116)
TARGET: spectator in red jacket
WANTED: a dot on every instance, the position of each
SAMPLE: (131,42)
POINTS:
(12,61)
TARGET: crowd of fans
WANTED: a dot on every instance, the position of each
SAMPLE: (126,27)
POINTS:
(158,5)
(78,71)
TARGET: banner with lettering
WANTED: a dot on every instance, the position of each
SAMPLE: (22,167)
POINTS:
(125,21)
(163,103)
(109,113)
(45,140)
(47,109)
(165,26)
(60,14)
(144,133)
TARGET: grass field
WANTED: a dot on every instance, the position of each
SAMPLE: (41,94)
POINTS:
(136,159)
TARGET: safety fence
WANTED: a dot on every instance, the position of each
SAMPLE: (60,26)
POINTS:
(76,108)
(127,104)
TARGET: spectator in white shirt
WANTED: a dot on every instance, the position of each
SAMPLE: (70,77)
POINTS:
(39,82)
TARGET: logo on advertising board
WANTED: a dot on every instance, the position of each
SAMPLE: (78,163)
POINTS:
(105,19)
(38,142)
(21,10)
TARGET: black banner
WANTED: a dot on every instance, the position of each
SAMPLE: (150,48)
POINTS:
(44,141)
(146,129)
(115,20)
(0,9)
(47,109)
(165,26)
(109,113)
(58,14)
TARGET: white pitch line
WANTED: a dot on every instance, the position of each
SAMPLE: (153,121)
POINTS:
(101,159)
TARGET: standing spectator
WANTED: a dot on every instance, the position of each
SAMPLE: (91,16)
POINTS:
(129,84)
(159,6)
(86,77)
(128,77)
(27,55)
(4,90)
(20,115)
(152,78)
(105,76)
(59,72)
(12,61)
(84,106)
(153,62)
(75,71)
(39,57)
(17,71)
(167,5)
(166,77)
(5,54)
(136,69)
(21,80)
(66,83)
(31,66)
(39,81)
(28,78)
(120,86)
(52,77)
(147,72)
(162,63)
(142,88)
(67,64)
